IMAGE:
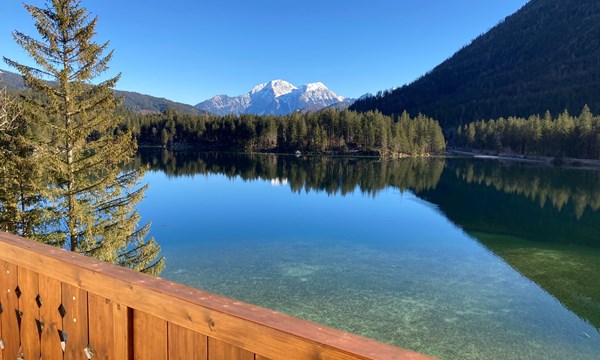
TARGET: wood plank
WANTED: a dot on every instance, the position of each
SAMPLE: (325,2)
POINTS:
(101,327)
(108,325)
(10,306)
(258,357)
(75,322)
(149,337)
(123,330)
(51,295)
(1,340)
(246,326)
(186,344)
(30,313)
(219,350)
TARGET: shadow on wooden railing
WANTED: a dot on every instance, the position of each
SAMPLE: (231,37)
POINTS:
(55,304)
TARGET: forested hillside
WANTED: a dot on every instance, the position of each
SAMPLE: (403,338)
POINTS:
(544,57)
(150,104)
(11,81)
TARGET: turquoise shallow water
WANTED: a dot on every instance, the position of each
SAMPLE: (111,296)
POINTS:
(379,261)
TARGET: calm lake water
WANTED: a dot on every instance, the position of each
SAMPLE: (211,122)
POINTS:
(455,258)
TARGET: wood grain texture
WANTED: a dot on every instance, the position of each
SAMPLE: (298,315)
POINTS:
(219,350)
(123,329)
(245,326)
(186,344)
(1,352)
(75,322)
(149,337)
(51,295)
(107,325)
(10,306)
(30,314)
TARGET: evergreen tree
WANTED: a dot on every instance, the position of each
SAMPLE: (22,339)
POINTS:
(19,193)
(164,137)
(436,137)
(22,209)
(93,200)
(471,134)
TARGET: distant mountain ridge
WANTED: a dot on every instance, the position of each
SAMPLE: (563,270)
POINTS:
(546,56)
(11,80)
(131,100)
(276,97)
(150,104)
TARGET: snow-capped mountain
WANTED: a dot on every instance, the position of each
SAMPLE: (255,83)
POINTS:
(277,97)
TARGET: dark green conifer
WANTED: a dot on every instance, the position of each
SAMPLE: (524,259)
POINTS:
(21,210)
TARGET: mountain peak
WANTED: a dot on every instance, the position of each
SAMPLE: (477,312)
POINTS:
(258,88)
(280,83)
(317,92)
(277,97)
(278,86)
(316,86)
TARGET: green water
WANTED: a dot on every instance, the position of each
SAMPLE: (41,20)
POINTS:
(456,258)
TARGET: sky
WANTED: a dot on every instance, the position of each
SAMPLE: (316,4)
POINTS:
(189,51)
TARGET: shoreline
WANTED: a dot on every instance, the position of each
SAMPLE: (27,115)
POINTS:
(366,153)
(531,159)
(574,163)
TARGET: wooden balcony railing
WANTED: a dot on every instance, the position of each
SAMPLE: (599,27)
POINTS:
(59,305)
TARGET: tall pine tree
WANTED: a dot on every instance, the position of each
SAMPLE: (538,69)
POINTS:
(79,142)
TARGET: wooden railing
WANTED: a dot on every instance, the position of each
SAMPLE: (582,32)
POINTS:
(59,305)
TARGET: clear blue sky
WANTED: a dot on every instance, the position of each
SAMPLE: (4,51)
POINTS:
(189,51)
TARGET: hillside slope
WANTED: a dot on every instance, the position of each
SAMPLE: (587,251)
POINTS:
(149,104)
(544,57)
(131,100)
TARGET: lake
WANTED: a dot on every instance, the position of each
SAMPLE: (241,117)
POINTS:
(455,258)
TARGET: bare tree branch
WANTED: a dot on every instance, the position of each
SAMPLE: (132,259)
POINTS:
(9,111)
